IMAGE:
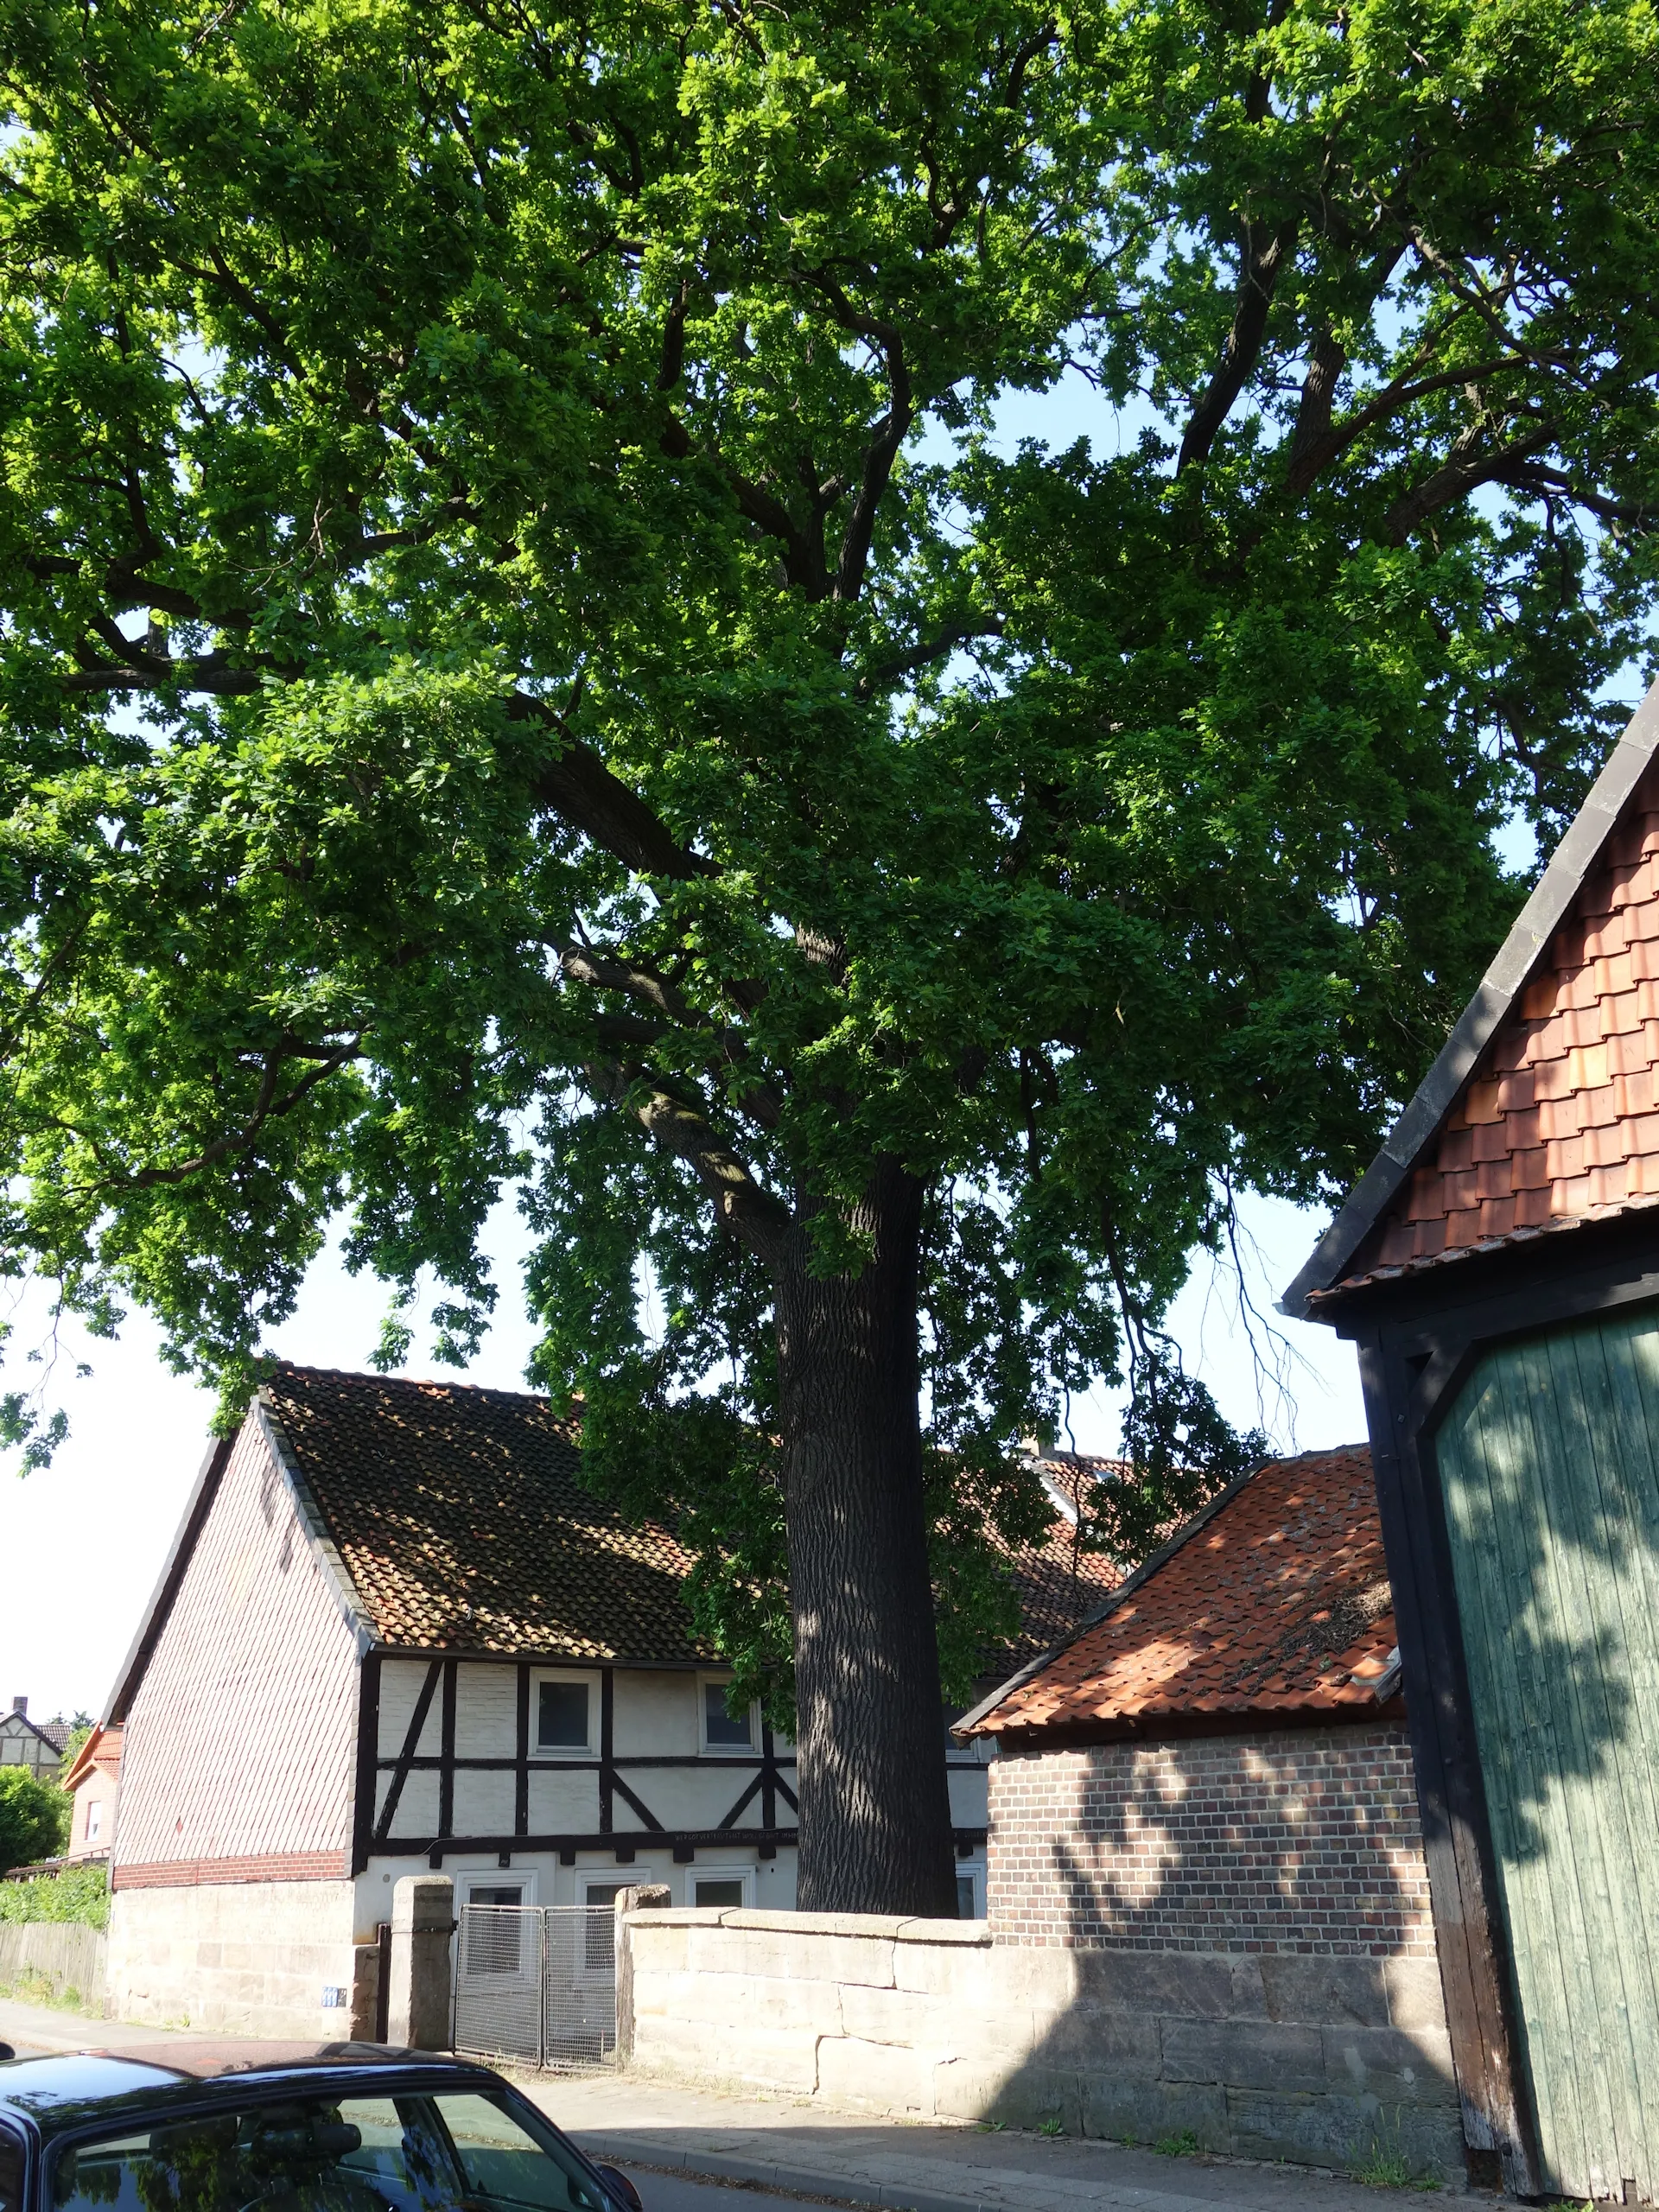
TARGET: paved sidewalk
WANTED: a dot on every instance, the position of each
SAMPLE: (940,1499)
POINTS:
(52,2028)
(776,2144)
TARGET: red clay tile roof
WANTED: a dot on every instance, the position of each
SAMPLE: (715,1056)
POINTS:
(101,1749)
(1558,1121)
(461,1521)
(1276,1600)
(1059,1584)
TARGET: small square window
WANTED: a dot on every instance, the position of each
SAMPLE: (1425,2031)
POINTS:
(562,1722)
(718,1887)
(727,1889)
(720,1732)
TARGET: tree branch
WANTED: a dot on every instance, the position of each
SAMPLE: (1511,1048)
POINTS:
(1547,482)
(268,1107)
(1465,469)
(884,672)
(883,449)
(215,672)
(745,1205)
(1319,453)
(606,972)
(1264,257)
(581,789)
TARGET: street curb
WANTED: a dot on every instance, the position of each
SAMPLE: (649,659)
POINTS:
(760,2173)
(60,2046)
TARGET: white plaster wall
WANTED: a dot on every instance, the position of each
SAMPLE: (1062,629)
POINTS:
(401,1681)
(486,1712)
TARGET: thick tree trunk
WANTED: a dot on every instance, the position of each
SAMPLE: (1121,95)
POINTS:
(875,1813)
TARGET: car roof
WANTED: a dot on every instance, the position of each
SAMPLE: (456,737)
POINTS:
(51,2096)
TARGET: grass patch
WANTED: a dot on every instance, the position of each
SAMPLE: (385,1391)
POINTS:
(1182,2144)
(1051,2128)
(1385,2165)
(32,1987)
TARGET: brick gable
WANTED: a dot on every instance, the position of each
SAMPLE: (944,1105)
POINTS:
(1557,1122)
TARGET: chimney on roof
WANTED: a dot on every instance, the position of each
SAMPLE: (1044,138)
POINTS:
(20,1705)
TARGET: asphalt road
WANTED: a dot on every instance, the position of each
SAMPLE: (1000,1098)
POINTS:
(660,2192)
(673,2193)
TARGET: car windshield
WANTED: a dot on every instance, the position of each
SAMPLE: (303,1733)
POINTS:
(435,2151)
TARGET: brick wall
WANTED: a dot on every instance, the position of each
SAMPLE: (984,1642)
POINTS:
(1297,1840)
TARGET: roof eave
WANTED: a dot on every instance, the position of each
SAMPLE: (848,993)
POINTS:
(318,1534)
(972,1723)
(1503,983)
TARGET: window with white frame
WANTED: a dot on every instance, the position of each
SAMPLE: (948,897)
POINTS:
(717,1730)
(94,1820)
(721,1886)
(599,1948)
(563,1715)
(501,1937)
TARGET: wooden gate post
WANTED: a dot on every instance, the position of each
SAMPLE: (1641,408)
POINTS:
(423,1921)
(638,1898)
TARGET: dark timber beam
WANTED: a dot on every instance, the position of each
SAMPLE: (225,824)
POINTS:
(1451,1796)
(406,1757)
(368,1761)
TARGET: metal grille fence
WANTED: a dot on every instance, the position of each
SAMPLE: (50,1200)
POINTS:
(536,1983)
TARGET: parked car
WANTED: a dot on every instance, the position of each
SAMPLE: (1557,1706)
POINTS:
(199,2126)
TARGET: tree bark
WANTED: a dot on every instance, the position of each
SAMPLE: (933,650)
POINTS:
(875,1811)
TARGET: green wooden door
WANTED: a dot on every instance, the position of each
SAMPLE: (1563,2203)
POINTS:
(1549,1462)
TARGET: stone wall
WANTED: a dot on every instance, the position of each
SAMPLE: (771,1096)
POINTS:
(1274,2055)
(241,1959)
(1303,1840)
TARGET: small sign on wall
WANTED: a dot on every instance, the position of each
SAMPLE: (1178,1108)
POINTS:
(333,1995)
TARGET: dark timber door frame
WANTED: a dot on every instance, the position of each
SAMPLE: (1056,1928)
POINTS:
(1418,1338)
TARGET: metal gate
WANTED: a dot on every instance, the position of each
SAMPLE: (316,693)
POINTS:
(1549,1461)
(536,1983)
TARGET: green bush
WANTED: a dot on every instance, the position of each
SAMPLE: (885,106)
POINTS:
(33,1818)
(79,1893)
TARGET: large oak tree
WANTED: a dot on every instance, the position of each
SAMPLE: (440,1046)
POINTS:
(526,663)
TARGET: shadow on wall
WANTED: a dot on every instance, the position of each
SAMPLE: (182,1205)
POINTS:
(1249,1963)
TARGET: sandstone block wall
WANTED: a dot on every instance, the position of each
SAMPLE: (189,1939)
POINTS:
(1298,1841)
(1308,2058)
(240,1959)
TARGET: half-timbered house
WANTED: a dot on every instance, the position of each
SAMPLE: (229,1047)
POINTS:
(37,1744)
(396,1631)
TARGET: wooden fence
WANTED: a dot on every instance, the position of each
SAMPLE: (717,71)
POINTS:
(65,1953)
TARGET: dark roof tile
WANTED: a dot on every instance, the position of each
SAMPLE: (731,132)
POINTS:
(461,1518)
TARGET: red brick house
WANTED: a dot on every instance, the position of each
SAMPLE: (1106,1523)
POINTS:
(93,1780)
(1210,1783)
(396,1632)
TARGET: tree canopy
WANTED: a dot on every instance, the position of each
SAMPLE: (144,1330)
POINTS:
(527,662)
(33,1818)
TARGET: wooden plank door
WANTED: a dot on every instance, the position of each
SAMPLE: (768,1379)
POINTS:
(1549,1464)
